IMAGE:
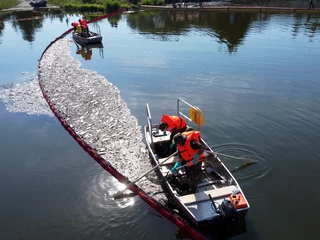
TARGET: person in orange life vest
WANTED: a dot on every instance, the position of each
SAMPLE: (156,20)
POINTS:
(84,26)
(75,25)
(172,124)
(191,152)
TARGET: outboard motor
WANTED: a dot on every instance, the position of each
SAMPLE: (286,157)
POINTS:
(228,211)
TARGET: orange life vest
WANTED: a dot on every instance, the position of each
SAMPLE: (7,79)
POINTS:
(173,121)
(75,24)
(186,151)
(83,23)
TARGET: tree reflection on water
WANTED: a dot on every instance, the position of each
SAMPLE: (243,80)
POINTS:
(228,28)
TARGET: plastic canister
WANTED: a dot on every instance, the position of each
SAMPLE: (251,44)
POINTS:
(238,201)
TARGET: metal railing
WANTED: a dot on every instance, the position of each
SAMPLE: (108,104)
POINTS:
(185,116)
(149,122)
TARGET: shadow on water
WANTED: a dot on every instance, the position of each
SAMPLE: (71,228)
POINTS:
(219,231)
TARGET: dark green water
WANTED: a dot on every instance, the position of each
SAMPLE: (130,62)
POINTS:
(255,77)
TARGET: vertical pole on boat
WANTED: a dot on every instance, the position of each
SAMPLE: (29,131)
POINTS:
(178,108)
(195,114)
(149,123)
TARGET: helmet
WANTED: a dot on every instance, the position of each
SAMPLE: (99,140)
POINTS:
(71,24)
(162,126)
(179,139)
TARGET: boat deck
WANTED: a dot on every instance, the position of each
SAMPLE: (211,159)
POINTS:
(204,196)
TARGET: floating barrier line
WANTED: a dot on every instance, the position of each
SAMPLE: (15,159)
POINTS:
(193,233)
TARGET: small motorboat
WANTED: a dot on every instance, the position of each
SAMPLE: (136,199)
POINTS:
(92,38)
(38,3)
(218,196)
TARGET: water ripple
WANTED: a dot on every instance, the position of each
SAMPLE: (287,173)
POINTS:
(103,186)
(239,168)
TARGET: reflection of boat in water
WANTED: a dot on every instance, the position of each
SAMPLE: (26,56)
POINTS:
(38,3)
(85,50)
(91,39)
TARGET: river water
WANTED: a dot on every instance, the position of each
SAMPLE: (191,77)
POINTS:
(255,77)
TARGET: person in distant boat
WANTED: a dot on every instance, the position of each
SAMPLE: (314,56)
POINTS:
(84,26)
(75,26)
(190,153)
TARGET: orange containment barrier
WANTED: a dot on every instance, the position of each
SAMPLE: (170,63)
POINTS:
(238,201)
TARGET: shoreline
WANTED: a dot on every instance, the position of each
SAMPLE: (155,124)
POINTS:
(25,6)
(233,8)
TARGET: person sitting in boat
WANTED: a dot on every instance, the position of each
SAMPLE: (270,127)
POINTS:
(190,153)
(84,26)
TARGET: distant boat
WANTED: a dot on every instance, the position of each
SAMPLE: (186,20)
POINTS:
(93,38)
(38,3)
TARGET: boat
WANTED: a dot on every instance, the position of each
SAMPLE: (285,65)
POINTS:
(93,38)
(38,3)
(218,198)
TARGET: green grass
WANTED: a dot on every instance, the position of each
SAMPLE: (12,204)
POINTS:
(4,4)
(61,3)
(108,5)
(91,6)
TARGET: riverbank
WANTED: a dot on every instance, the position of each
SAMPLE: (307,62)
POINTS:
(209,6)
(23,5)
(232,8)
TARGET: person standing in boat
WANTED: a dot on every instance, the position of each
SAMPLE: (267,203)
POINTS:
(190,153)
(84,26)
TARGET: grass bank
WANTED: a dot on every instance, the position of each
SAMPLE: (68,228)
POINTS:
(5,4)
(91,6)
(102,5)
